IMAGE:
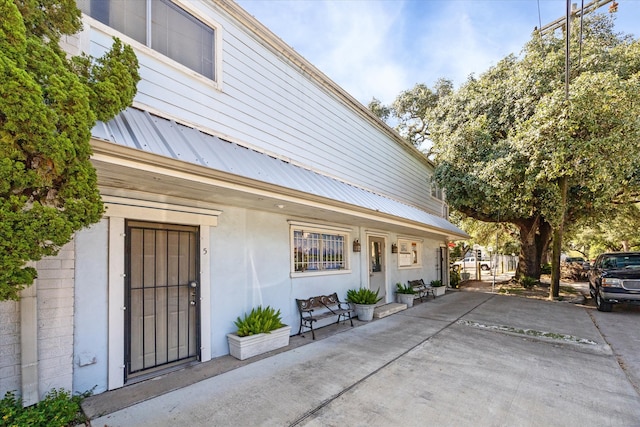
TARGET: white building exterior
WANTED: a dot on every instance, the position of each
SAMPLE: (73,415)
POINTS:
(244,179)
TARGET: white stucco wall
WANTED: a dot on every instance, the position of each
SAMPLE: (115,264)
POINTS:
(250,266)
(91,330)
(248,256)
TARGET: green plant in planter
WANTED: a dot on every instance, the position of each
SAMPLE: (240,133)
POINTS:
(406,289)
(436,283)
(362,296)
(259,321)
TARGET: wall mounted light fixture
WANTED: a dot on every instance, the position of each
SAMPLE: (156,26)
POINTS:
(356,246)
(394,248)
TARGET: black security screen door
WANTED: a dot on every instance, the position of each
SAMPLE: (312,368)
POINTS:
(162,291)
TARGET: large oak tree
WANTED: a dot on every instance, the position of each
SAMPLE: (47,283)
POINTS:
(510,148)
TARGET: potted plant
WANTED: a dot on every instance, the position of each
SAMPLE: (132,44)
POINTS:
(365,301)
(438,287)
(405,294)
(258,332)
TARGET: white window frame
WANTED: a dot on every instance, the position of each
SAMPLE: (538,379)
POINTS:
(434,189)
(320,229)
(410,252)
(192,10)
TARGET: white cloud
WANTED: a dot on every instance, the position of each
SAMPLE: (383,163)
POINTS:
(375,48)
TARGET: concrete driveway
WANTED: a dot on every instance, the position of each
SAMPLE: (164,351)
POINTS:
(464,359)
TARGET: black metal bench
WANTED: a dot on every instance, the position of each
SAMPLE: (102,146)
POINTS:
(421,288)
(322,307)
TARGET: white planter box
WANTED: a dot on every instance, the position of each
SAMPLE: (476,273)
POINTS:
(439,290)
(253,345)
(405,299)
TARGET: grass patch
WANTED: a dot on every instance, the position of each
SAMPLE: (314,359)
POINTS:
(569,290)
(528,332)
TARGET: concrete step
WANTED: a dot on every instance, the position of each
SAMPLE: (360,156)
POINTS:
(388,309)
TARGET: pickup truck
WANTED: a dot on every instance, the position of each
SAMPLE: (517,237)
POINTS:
(470,262)
(614,278)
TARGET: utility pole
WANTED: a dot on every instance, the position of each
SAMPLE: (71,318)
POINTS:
(572,12)
(577,13)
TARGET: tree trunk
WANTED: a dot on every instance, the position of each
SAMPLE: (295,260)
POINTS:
(534,242)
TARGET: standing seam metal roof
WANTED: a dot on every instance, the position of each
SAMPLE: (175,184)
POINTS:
(141,130)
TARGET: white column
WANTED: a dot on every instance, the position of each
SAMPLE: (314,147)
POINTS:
(115,376)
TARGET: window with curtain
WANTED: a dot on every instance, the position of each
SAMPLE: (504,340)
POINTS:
(171,30)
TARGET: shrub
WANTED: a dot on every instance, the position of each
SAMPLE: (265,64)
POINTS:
(545,268)
(528,282)
(362,296)
(259,321)
(57,409)
(454,279)
(404,289)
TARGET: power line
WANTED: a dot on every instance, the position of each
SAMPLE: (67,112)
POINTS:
(588,8)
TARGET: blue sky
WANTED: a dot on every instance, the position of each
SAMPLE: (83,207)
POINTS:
(377,48)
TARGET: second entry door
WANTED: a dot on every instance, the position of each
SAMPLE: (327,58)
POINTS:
(377,267)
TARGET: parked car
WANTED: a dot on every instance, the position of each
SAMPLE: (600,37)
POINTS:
(615,277)
(470,262)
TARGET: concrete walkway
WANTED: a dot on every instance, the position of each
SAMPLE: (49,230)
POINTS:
(464,359)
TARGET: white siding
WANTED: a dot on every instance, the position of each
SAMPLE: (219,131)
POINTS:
(268,102)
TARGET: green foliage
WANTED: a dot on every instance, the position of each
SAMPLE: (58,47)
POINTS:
(528,282)
(502,236)
(362,296)
(546,268)
(381,111)
(48,105)
(259,321)
(619,231)
(406,289)
(454,279)
(57,409)
(506,140)
(436,283)
(411,109)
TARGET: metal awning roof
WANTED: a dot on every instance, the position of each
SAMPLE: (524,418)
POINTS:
(143,131)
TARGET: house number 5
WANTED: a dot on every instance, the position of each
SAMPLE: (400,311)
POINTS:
(204,251)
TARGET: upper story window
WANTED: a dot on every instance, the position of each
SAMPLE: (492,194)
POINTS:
(318,250)
(162,26)
(436,191)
